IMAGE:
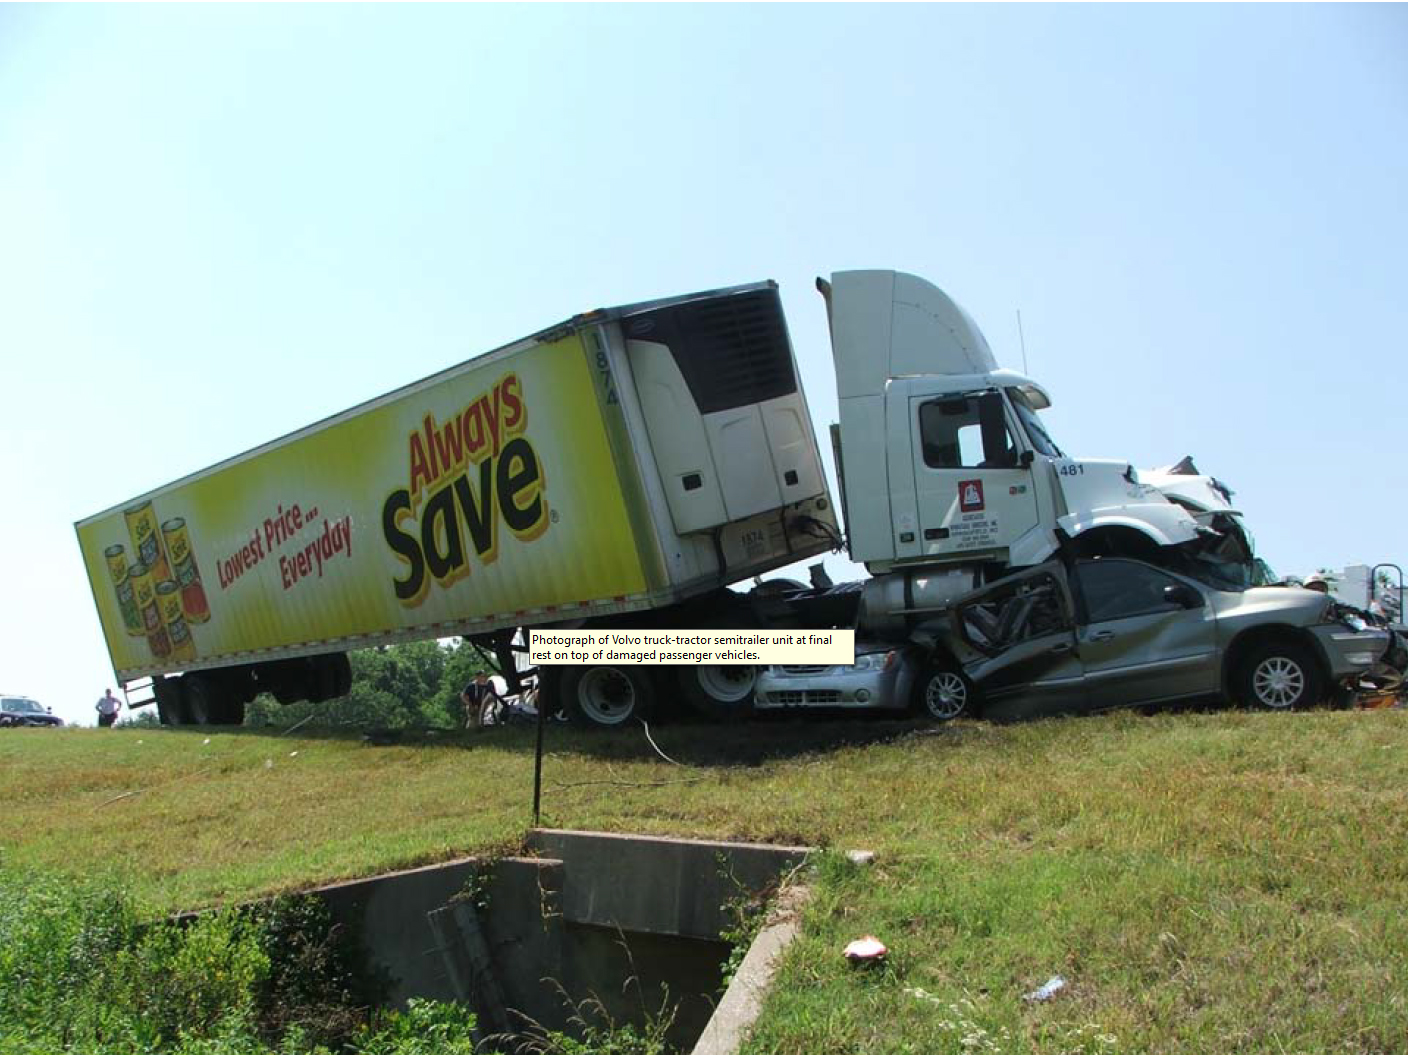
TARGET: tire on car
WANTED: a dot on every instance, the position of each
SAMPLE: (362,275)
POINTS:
(606,696)
(942,693)
(723,692)
(1279,676)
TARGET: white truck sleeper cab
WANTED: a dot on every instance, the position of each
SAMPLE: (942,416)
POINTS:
(943,458)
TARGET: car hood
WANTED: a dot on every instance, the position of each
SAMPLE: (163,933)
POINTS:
(1286,604)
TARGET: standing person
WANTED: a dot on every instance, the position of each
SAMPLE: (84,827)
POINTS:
(108,706)
(476,697)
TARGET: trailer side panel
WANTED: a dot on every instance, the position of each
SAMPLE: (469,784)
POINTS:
(488,494)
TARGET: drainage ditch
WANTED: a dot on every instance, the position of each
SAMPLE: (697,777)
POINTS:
(616,928)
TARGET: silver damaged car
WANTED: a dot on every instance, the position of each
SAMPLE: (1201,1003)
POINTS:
(1114,632)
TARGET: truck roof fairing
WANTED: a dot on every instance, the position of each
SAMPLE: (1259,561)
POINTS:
(887,324)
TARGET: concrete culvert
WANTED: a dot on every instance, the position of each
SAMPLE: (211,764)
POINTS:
(624,928)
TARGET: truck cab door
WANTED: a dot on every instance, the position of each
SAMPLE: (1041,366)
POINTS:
(973,488)
(1021,633)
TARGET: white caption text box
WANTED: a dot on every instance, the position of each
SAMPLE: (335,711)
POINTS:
(714,647)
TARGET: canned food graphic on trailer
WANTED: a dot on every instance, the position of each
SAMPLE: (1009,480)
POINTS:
(144,593)
(185,571)
(146,540)
(116,557)
(178,634)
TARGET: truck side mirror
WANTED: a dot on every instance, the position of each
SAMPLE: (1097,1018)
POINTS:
(1026,458)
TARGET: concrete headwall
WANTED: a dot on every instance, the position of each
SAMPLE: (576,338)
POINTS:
(659,886)
(591,911)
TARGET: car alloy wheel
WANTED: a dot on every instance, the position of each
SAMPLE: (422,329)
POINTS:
(1278,682)
(1280,676)
(945,694)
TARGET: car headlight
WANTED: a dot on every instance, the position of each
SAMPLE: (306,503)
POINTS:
(874,661)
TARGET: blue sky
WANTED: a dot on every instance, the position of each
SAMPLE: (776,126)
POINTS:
(218,224)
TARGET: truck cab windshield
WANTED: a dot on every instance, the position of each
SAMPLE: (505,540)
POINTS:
(1039,438)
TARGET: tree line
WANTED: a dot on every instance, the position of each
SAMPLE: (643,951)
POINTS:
(410,686)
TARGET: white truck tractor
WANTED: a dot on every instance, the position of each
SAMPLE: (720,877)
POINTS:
(947,472)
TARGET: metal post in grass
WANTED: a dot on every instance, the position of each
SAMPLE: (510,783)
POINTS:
(538,760)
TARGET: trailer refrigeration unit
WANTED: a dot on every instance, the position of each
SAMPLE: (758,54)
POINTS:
(629,464)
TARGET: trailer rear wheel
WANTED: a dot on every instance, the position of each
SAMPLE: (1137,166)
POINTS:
(330,678)
(171,709)
(723,691)
(206,701)
(200,699)
(606,696)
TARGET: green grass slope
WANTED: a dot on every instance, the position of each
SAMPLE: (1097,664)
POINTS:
(1223,882)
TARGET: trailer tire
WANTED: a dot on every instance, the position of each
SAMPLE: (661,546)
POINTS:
(720,691)
(172,711)
(199,700)
(606,696)
(206,701)
(330,678)
(344,674)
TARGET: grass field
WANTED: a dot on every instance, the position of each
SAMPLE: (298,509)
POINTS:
(1203,882)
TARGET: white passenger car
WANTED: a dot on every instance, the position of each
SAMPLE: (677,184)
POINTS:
(882,678)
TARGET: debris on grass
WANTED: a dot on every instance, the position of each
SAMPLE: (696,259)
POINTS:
(1053,986)
(866,950)
(923,994)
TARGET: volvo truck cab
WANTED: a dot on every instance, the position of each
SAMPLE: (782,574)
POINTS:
(944,458)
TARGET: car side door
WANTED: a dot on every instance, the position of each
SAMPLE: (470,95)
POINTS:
(1021,635)
(1144,635)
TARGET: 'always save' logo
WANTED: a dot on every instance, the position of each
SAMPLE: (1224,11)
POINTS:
(465,476)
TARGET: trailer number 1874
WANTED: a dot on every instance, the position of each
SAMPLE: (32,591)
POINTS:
(603,367)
